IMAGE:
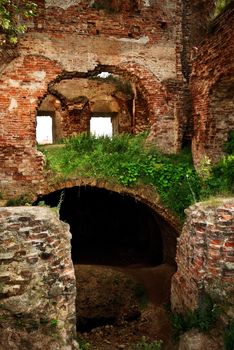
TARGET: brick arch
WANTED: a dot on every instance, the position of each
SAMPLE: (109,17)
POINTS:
(169,226)
(27,79)
(143,194)
(157,98)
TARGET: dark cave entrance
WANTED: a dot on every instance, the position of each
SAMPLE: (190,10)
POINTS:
(123,253)
(109,228)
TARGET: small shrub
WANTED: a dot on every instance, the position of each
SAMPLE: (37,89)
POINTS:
(19,201)
(202,318)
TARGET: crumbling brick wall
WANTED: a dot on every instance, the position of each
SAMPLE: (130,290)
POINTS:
(205,255)
(212,87)
(37,281)
(138,43)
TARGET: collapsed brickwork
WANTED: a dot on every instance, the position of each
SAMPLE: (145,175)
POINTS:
(37,281)
(205,256)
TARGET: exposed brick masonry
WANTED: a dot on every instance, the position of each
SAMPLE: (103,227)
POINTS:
(37,281)
(205,255)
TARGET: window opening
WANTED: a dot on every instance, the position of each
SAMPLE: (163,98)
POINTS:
(101,126)
(44,130)
(104,75)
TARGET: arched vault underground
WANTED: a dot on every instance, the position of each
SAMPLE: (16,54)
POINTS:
(112,225)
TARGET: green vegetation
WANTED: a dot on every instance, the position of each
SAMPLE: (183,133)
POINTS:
(18,201)
(145,344)
(129,161)
(83,345)
(229,336)
(229,145)
(13,18)
(203,318)
(120,85)
(220,6)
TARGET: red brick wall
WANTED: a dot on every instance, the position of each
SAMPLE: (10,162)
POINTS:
(22,84)
(212,84)
(138,44)
(204,254)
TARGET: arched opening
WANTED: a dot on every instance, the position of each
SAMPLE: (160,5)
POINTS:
(123,251)
(120,247)
(112,229)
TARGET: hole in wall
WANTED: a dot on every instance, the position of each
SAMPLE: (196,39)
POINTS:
(44,130)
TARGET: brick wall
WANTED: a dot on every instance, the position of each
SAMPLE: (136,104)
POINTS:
(37,281)
(212,84)
(138,43)
(205,255)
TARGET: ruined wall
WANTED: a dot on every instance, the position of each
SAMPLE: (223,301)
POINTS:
(212,89)
(37,281)
(137,42)
(205,255)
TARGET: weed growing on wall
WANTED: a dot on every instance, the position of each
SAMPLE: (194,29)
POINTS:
(126,160)
(203,318)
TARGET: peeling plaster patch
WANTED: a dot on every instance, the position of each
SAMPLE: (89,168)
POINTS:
(61,3)
(32,86)
(146,3)
(14,83)
(39,75)
(13,104)
(142,40)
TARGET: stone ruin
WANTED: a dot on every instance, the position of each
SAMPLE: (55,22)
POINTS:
(169,76)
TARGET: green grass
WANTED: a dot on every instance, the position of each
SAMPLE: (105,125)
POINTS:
(129,161)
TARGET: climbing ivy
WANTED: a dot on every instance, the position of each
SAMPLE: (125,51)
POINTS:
(13,18)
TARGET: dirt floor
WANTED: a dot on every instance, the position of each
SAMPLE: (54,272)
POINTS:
(118,306)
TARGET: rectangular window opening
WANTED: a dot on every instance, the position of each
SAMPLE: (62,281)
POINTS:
(101,126)
(44,130)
